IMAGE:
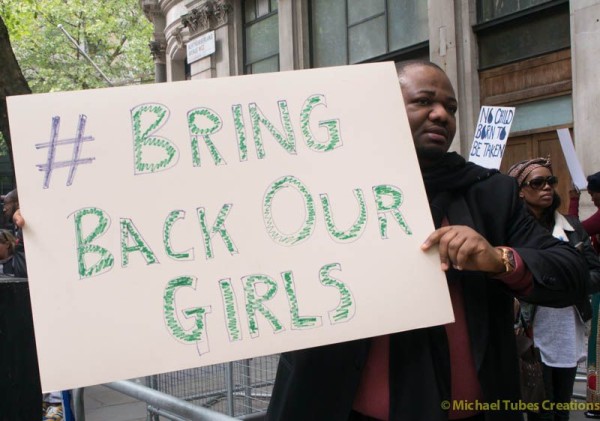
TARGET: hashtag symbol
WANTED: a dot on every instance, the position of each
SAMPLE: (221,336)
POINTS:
(51,163)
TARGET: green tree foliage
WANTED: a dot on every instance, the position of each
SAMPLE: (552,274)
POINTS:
(12,82)
(3,146)
(113,33)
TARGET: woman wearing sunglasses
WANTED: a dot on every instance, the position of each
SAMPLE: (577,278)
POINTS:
(559,333)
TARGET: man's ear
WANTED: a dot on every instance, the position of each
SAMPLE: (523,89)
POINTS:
(521,195)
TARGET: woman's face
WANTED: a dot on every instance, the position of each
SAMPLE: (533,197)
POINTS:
(536,191)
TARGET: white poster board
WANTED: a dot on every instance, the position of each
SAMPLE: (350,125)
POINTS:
(491,133)
(566,143)
(184,224)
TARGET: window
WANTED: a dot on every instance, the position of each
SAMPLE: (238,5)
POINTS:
(492,9)
(353,31)
(548,112)
(516,30)
(261,36)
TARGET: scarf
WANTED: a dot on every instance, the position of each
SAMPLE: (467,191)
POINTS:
(451,175)
(447,179)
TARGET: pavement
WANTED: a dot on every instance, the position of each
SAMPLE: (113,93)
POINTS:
(104,404)
(579,415)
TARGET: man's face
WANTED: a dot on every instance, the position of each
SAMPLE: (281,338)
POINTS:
(10,207)
(431,107)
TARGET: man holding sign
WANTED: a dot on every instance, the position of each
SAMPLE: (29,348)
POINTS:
(491,251)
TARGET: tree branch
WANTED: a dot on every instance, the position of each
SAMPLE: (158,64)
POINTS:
(117,51)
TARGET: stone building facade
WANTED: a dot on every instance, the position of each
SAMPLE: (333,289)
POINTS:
(539,56)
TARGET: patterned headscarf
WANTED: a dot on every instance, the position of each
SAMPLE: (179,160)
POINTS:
(522,169)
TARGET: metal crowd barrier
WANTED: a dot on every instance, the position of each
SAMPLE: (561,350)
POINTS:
(167,405)
(240,389)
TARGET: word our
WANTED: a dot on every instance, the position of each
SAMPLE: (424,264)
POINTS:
(388,200)
(204,123)
(255,304)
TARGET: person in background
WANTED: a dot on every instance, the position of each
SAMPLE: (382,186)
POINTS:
(490,249)
(52,403)
(559,333)
(10,209)
(592,226)
(10,205)
(12,260)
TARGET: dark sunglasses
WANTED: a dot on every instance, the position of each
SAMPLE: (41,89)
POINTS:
(538,183)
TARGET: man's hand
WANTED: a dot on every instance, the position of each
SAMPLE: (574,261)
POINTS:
(18,219)
(464,249)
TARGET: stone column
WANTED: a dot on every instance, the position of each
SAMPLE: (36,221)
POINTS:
(467,74)
(293,34)
(585,59)
(442,49)
(158,48)
(158,45)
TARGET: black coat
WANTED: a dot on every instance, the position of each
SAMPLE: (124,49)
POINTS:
(319,384)
(580,239)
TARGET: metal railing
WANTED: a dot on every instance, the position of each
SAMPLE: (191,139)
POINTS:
(167,404)
(238,390)
(240,386)
(162,404)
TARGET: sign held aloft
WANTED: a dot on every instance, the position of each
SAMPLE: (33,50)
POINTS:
(491,133)
(566,143)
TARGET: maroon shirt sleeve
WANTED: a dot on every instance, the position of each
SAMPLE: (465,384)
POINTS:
(574,206)
(592,224)
(520,280)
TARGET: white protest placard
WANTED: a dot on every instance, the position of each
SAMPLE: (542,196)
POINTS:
(184,224)
(566,143)
(491,133)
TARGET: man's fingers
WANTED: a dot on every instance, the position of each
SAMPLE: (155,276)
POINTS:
(434,238)
(467,252)
(444,237)
(464,249)
(18,219)
(458,251)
